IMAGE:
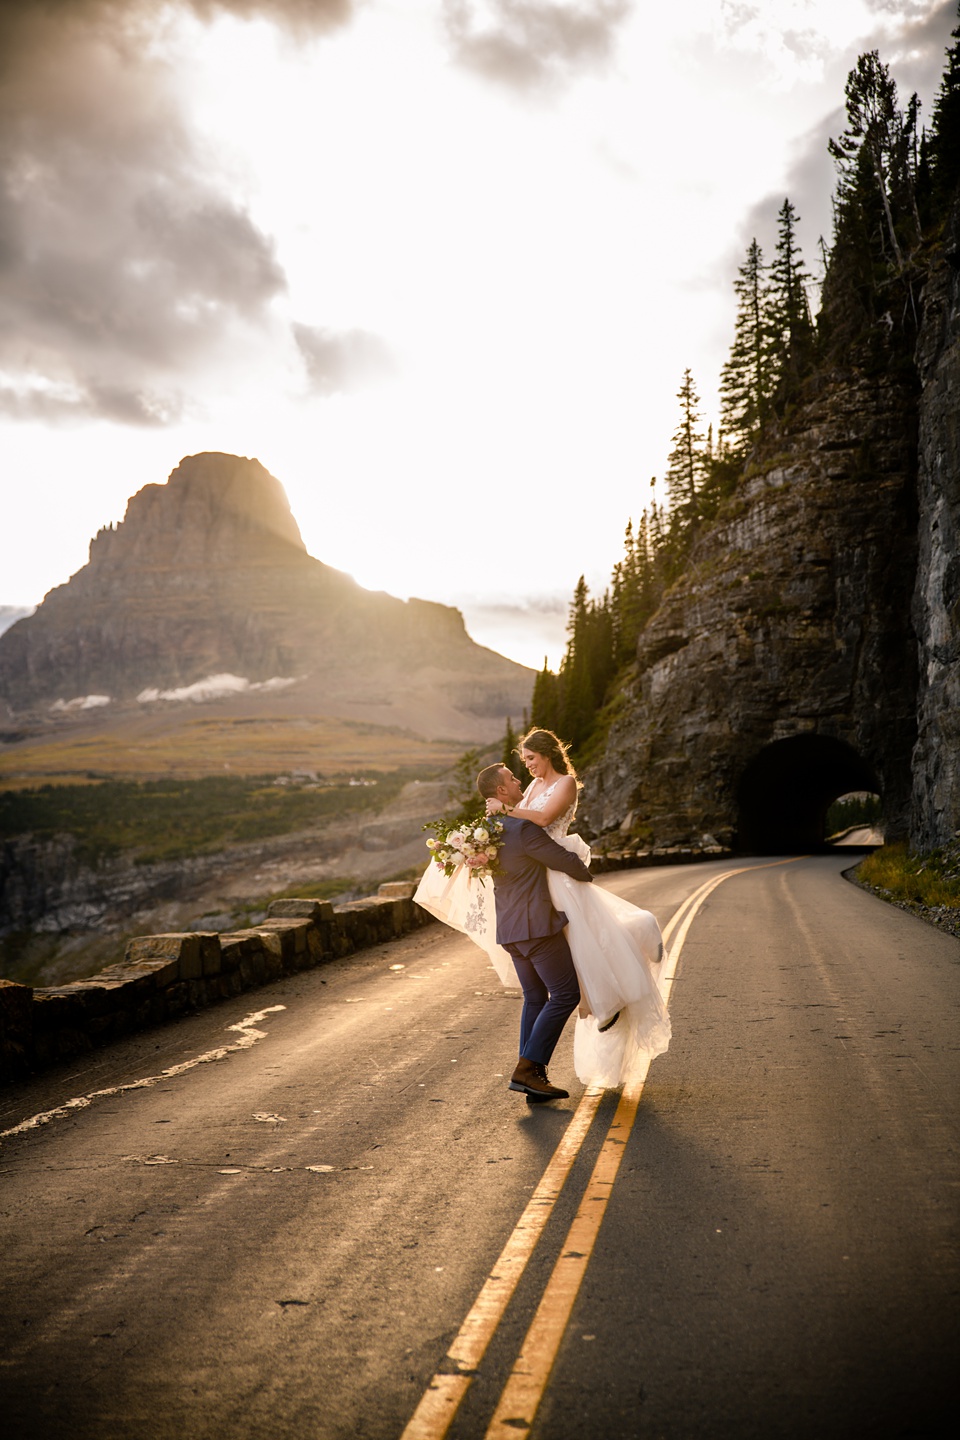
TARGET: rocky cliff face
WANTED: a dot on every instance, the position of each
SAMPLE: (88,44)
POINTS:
(208,575)
(936,759)
(782,670)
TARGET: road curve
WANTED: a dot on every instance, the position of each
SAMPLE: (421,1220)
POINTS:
(286,1240)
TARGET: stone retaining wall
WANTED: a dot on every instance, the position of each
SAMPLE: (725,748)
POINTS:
(164,976)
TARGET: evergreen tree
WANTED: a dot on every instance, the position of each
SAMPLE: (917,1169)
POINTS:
(879,140)
(576,688)
(545,705)
(748,380)
(722,470)
(509,756)
(646,579)
(685,464)
(877,222)
(463,790)
(791,321)
(945,131)
(925,190)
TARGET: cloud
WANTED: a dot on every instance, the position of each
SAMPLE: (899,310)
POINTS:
(82,702)
(529,45)
(917,53)
(343,360)
(34,397)
(214,687)
(126,263)
(301,16)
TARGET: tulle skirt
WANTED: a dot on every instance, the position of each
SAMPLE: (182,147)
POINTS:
(617,951)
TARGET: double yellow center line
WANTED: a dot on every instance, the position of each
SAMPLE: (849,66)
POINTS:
(528,1379)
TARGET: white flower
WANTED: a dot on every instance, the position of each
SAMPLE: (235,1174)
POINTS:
(481,836)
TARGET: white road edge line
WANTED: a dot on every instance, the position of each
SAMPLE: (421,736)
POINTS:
(248,1036)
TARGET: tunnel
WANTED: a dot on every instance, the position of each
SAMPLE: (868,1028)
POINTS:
(787,788)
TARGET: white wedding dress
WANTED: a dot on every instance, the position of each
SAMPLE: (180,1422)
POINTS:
(616,949)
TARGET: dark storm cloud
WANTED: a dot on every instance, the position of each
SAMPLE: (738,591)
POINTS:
(343,360)
(530,44)
(125,264)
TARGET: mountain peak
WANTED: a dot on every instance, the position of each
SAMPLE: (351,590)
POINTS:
(206,589)
(215,509)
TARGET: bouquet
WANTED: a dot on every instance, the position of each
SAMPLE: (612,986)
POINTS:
(473,843)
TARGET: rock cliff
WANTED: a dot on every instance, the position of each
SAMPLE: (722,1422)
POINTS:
(208,575)
(813,645)
(936,759)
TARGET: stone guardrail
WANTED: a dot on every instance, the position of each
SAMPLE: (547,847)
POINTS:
(603,861)
(164,976)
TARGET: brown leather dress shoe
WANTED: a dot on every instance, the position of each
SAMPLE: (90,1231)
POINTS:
(531,1080)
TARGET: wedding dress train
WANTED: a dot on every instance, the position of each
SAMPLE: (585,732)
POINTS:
(616,948)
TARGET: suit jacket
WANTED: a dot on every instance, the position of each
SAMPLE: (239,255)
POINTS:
(524,908)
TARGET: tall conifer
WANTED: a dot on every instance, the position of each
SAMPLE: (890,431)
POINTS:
(685,464)
(748,380)
(945,129)
(791,321)
(879,140)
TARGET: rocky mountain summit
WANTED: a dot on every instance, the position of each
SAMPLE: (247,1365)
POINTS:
(206,590)
(812,646)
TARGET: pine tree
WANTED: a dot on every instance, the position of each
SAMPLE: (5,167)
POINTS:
(577,691)
(646,586)
(945,131)
(685,464)
(791,321)
(748,380)
(722,470)
(463,789)
(877,221)
(545,708)
(879,139)
(509,755)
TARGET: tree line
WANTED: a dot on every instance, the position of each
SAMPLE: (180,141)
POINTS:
(895,184)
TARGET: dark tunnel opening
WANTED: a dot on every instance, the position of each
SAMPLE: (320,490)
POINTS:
(786,790)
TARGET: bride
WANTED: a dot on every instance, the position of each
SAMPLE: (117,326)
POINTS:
(616,947)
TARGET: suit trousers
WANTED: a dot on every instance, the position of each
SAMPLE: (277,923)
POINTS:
(551,992)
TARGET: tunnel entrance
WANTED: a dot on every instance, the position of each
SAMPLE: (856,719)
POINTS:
(787,789)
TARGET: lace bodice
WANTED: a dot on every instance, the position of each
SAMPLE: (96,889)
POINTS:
(562,824)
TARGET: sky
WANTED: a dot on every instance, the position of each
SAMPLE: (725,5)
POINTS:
(439,265)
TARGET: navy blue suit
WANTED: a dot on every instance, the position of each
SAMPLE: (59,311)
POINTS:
(530,929)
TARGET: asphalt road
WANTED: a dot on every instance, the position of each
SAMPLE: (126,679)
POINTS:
(284,1242)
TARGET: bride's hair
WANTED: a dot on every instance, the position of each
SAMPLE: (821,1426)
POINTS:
(544,742)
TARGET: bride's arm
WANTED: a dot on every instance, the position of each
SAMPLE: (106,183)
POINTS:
(562,798)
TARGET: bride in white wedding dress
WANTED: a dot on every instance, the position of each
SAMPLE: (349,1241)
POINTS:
(616,947)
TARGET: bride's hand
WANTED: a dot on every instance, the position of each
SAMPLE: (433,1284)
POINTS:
(494,806)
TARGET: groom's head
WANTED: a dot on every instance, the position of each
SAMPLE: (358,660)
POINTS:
(498,782)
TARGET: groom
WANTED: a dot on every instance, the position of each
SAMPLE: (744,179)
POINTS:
(531,931)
